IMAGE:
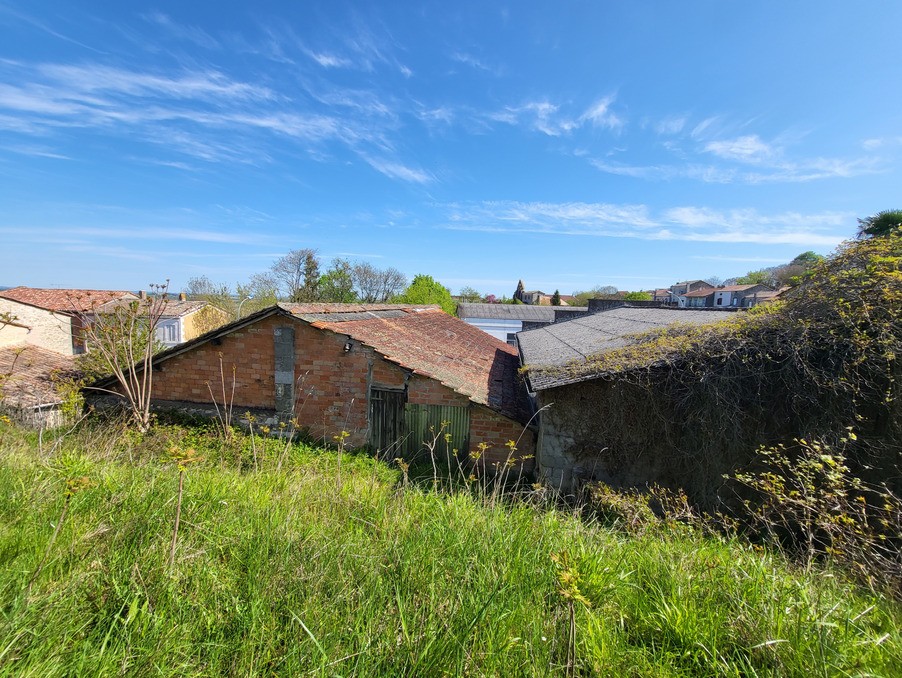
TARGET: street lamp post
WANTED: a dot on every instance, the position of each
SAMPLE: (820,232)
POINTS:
(242,304)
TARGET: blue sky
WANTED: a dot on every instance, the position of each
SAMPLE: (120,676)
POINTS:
(569,144)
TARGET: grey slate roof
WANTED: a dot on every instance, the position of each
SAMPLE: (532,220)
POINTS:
(576,340)
(514,311)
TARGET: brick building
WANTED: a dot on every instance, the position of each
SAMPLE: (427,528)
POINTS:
(384,373)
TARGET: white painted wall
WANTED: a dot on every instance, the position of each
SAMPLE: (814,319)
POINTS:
(498,328)
(46,329)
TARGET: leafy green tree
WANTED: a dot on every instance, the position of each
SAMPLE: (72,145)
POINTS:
(426,290)
(556,298)
(880,224)
(470,294)
(597,292)
(637,296)
(759,277)
(337,284)
(808,258)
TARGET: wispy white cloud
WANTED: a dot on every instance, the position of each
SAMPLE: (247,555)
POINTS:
(881,142)
(693,224)
(32,21)
(749,148)
(703,127)
(396,170)
(208,84)
(36,151)
(202,113)
(329,60)
(600,114)
(193,34)
(670,125)
(546,117)
(776,172)
(136,233)
(474,62)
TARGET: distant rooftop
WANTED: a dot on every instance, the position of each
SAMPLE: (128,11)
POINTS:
(334,312)
(173,308)
(63,300)
(515,311)
(579,339)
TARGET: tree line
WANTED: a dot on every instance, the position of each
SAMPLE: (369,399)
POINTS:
(299,277)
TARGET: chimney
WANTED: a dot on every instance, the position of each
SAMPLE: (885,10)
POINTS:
(183,296)
(142,294)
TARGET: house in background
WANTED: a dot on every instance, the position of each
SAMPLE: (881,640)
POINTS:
(680,290)
(575,441)
(180,320)
(383,373)
(52,317)
(739,296)
(726,296)
(503,321)
(661,295)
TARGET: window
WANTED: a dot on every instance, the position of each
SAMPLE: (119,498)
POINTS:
(168,332)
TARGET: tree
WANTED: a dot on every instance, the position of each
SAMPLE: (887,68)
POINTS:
(470,294)
(297,275)
(375,285)
(121,338)
(880,224)
(260,291)
(217,294)
(759,277)
(426,290)
(637,296)
(714,280)
(808,258)
(337,284)
(556,298)
(597,292)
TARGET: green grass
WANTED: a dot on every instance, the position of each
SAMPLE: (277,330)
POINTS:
(298,572)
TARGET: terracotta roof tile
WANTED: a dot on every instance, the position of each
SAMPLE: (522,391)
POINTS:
(63,300)
(29,375)
(437,345)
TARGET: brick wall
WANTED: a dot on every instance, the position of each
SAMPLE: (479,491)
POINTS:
(496,430)
(331,385)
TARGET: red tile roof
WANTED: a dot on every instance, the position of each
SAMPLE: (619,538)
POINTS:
(63,300)
(28,375)
(434,344)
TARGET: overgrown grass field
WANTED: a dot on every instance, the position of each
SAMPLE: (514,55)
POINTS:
(308,562)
